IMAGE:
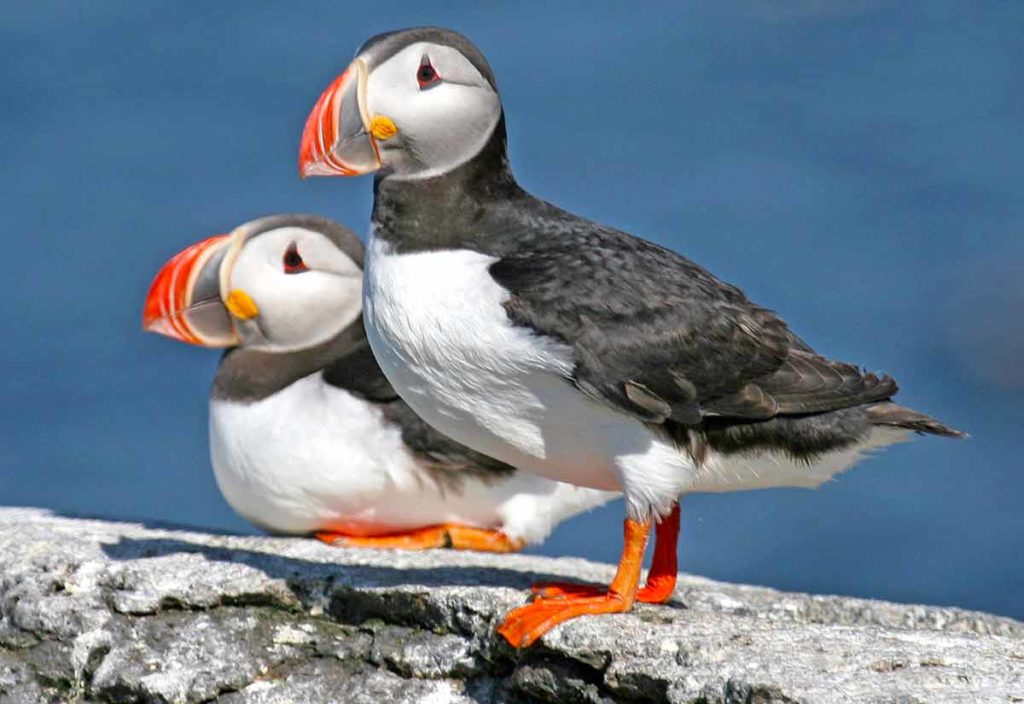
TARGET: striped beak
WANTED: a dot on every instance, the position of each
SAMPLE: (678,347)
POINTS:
(184,300)
(337,140)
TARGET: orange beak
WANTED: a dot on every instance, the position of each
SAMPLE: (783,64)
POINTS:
(184,300)
(337,140)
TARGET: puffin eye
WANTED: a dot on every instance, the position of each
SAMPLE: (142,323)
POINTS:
(293,263)
(426,74)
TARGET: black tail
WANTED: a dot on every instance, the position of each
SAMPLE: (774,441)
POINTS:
(889,413)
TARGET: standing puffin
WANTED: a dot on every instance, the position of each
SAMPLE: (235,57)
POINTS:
(563,346)
(306,434)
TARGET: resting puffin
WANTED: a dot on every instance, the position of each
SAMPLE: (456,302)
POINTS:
(306,434)
(563,346)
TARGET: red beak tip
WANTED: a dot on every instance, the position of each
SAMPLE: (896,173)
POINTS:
(168,294)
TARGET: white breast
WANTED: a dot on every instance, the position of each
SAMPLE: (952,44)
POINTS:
(437,327)
(305,455)
(315,457)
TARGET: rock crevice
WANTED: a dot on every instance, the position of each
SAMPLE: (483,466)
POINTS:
(95,611)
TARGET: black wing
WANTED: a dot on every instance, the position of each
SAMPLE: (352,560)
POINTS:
(659,337)
(449,461)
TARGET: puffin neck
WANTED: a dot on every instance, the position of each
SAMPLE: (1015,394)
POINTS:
(445,211)
(248,375)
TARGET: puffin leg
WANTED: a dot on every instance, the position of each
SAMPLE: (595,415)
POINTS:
(661,578)
(445,535)
(527,623)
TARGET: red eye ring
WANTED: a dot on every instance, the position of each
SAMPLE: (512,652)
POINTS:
(293,263)
(426,74)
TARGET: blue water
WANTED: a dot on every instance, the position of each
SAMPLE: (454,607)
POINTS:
(856,165)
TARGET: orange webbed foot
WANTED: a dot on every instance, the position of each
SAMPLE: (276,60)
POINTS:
(419,539)
(656,591)
(661,579)
(565,590)
(447,535)
(482,540)
(526,624)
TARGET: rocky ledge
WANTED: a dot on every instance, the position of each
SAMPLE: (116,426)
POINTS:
(95,611)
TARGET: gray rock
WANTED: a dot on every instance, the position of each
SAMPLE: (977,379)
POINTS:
(119,612)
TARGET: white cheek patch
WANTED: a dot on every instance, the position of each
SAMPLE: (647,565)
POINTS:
(313,309)
(440,127)
(299,310)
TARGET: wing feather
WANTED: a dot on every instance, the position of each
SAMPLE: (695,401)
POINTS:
(658,337)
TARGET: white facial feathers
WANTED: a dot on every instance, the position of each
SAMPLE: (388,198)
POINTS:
(301,309)
(440,125)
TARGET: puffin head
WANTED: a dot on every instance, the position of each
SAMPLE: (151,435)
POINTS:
(414,103)
(277,284)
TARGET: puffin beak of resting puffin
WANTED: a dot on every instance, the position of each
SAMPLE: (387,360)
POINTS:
(340,137)
(184,300)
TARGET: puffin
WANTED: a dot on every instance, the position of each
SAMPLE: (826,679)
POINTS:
(306,434)
(562,346)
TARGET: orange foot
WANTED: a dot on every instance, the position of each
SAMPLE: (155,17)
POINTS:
(657,592)
(661,580)
(446,535)
(526,624)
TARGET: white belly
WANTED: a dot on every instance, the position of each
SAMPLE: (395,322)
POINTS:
(437,327)
(315,457)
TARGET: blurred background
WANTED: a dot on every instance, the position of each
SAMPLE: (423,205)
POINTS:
(855,165)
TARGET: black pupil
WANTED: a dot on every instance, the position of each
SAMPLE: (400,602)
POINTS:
(426,73)
(292,259)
